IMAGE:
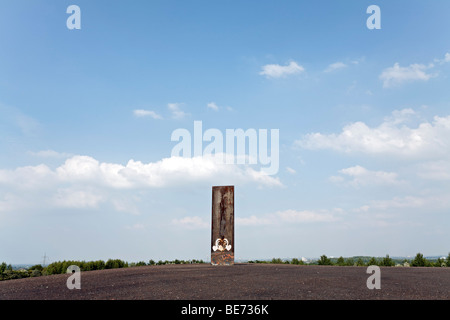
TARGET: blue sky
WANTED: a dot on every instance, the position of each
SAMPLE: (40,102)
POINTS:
(86,118)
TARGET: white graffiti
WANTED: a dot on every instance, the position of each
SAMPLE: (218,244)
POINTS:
(222,245)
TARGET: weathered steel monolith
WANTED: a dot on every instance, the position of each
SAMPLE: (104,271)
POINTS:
(222,227)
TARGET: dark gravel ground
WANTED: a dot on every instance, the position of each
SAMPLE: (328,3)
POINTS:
(237,282)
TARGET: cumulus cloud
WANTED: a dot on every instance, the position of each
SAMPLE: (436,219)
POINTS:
(255,221)
(430,203)
(84,182)
(400,116)
(213,106)
(291,216)
(175,109)
(164,173)
(28,177)
(335,66)
(135,174)
(391,137)
(191,223)
(294,216)
(444,60)
(278,71)
(72,198)
(447,57)
(434,170)
(397,75)
(361,176)
(146,113)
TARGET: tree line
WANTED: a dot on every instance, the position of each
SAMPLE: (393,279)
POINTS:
(60,267)
(418,261)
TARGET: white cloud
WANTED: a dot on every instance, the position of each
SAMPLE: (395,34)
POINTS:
(290,170)
(166,172)
(363,177)
(434,170)
(70,198)
(191,223)
(447,57)
(430,203)
(444,60)
(135,174)
(397,75)
(392,137)
(146,113)
(396,211)
(88,170)
(335,66)
(84,182)
(254,221)
(213,106)
(29,177)
(277,71)
(294,216)
(398,203)
(399,211)
(176,111)
(290,216)
(400,116)
(358,61)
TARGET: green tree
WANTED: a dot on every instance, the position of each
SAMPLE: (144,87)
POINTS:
(439,263)
(99,265)
(36,267)
(387,262)
(115,263)
(447,263)
(359,262)
(372,262)
(276,261)
(35,273)
(340,261)
(3,267)
(324,261)
(297,261)
(419,261)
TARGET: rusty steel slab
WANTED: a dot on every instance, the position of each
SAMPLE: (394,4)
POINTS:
(222,226)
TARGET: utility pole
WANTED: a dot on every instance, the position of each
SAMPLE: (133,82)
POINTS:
(45,258)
